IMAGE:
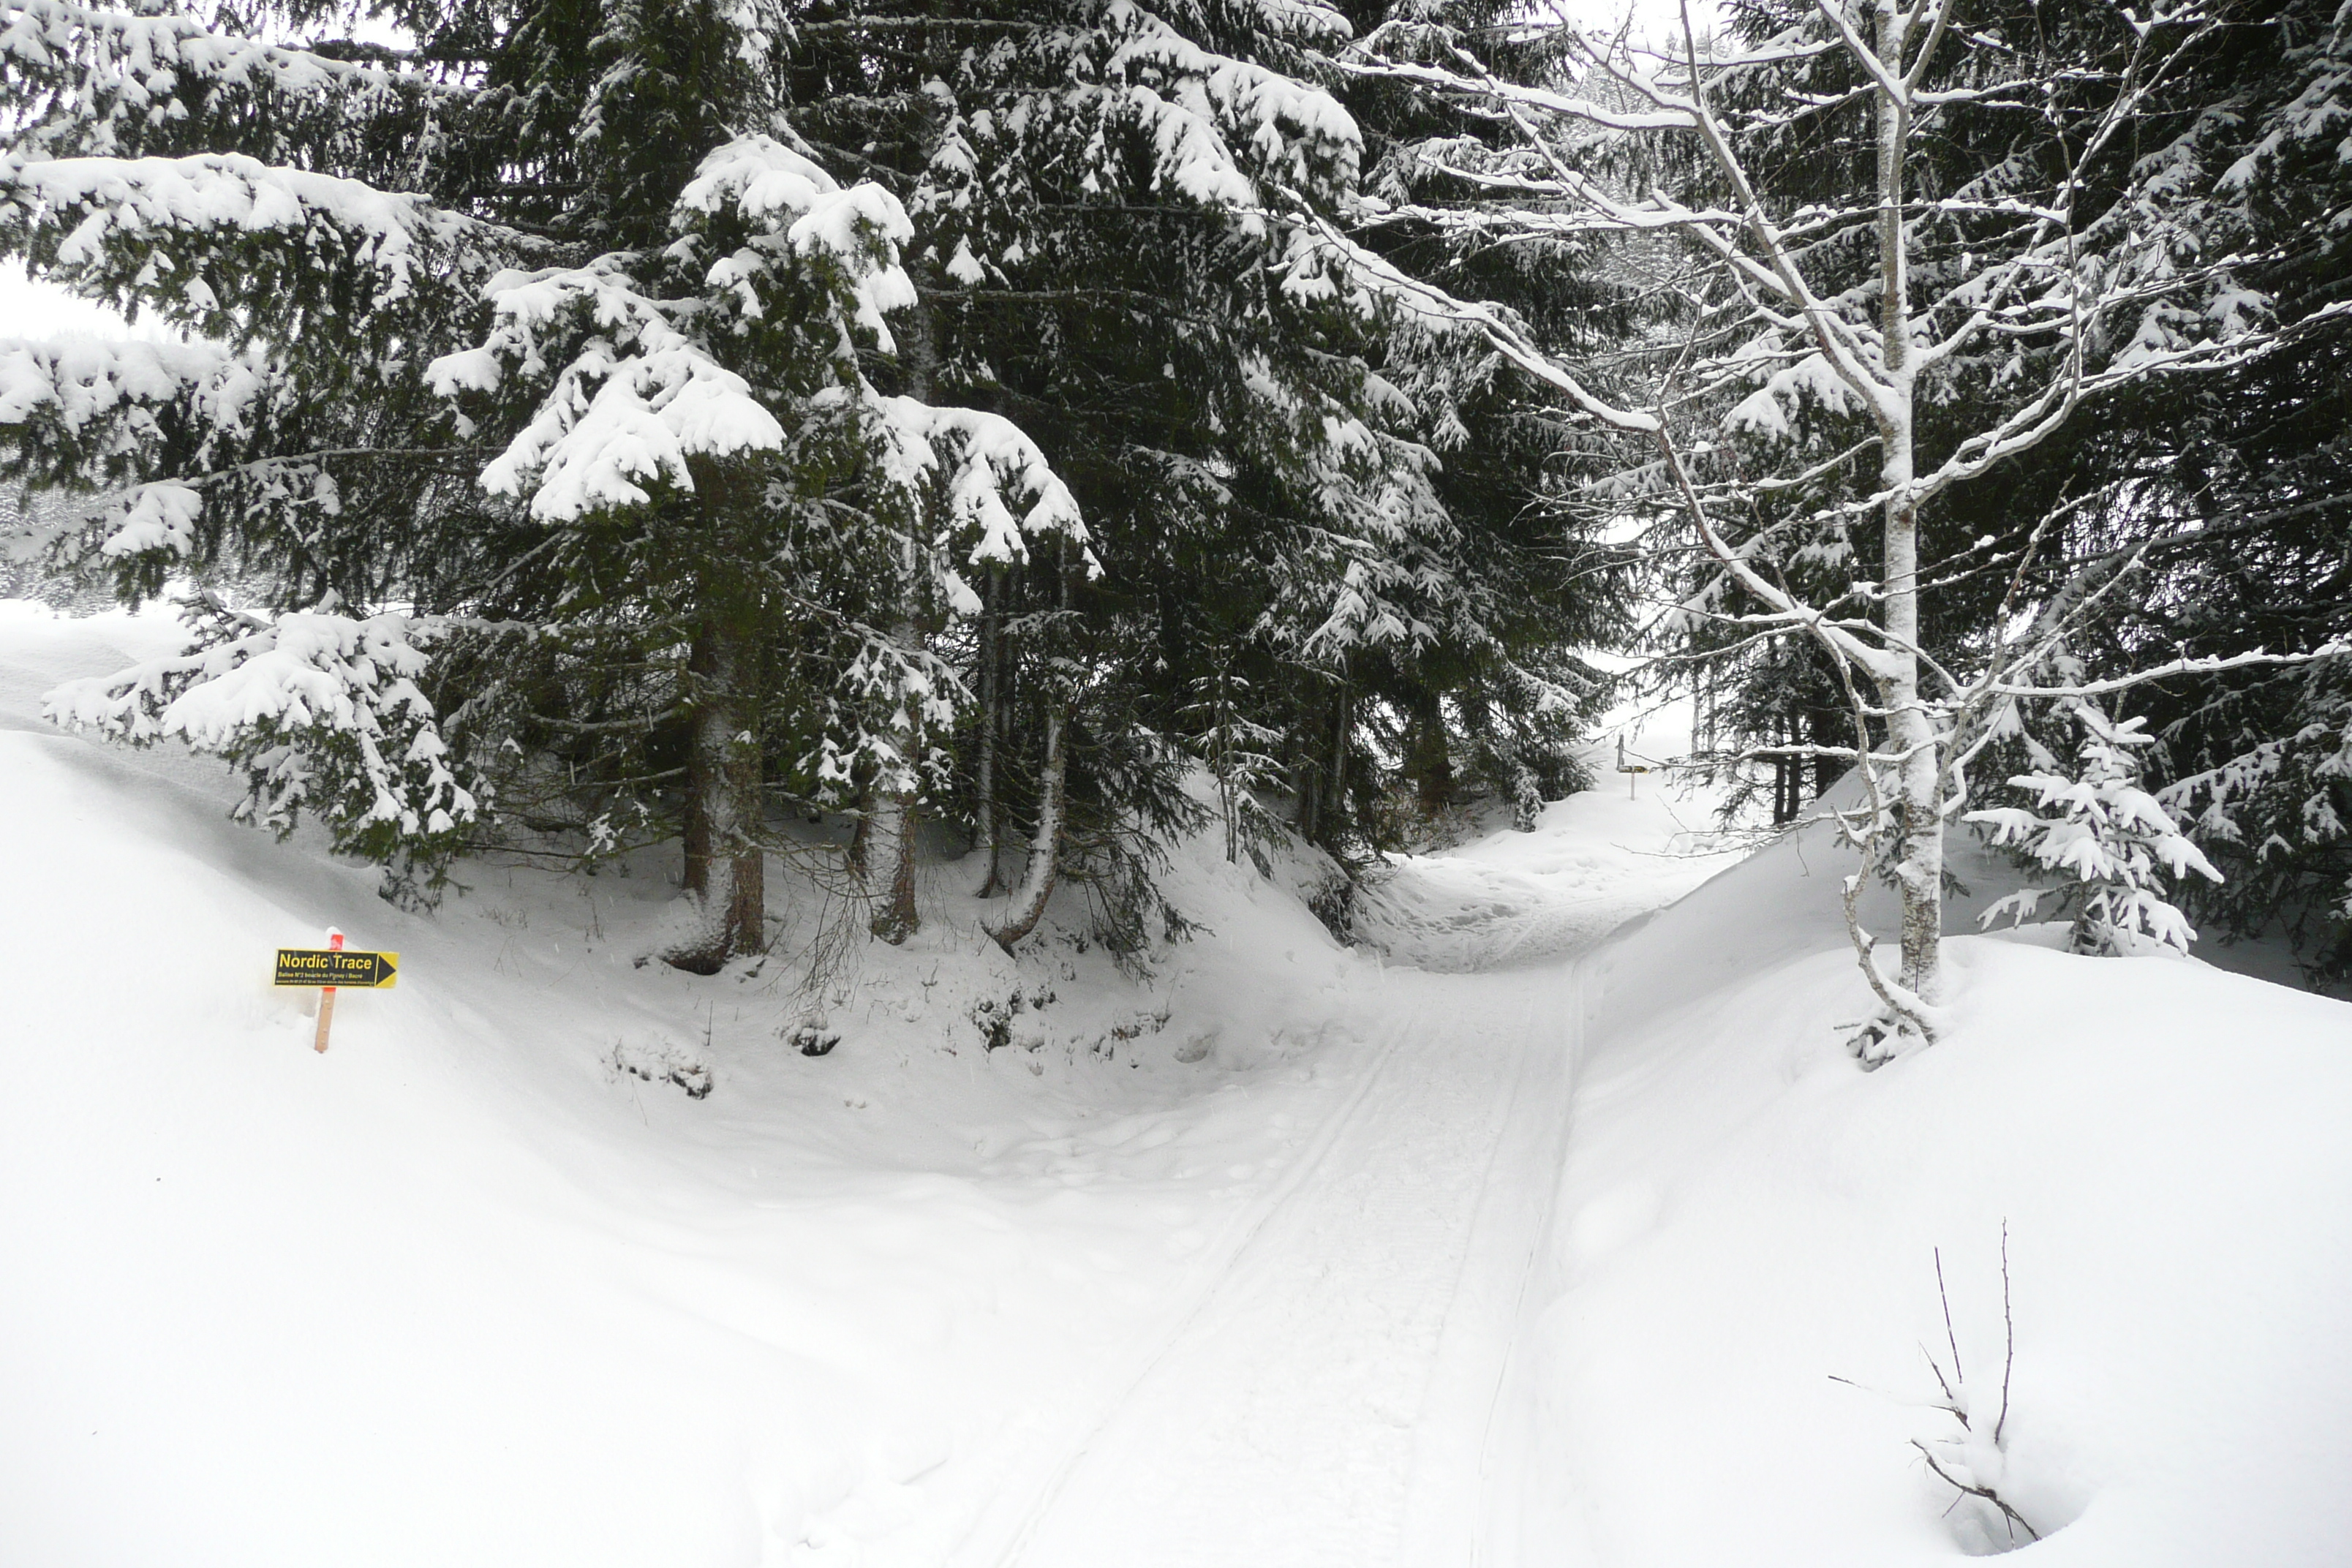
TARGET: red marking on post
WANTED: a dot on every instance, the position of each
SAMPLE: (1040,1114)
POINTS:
(327,994)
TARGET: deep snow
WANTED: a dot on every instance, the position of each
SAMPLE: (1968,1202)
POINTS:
(1744,1217)
(1506,1241)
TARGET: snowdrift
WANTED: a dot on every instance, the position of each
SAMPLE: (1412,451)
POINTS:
(1745,1216)
(485,1284)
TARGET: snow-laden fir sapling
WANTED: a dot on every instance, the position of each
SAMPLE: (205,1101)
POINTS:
(2113,844)
(1239,750)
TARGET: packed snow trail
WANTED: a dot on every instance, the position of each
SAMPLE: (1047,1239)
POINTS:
(1324,1402)
(1329,1399)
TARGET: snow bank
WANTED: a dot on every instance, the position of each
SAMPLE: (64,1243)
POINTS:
(557,1259)
(485,1285)
(1745,1216)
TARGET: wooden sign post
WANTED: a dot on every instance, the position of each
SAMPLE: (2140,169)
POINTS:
(327,997)
(1631,770)
(331,967)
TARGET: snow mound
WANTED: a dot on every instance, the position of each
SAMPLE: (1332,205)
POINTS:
(553,1259)
(1746,1217)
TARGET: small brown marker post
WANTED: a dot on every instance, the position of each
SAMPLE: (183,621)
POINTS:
(1633,770)
(327,996)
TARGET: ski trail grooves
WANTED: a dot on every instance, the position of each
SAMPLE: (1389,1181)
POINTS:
(1282,1425)
(1242,1239)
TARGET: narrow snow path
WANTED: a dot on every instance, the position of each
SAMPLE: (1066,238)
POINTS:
(1325,1401)
(1332,1396)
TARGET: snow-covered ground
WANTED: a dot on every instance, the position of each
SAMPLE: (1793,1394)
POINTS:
(1506,1241)
(1744,1218)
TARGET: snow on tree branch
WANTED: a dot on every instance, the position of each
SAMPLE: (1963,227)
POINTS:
(644,386)
(320,709)
(985,465)
(93,406)
(798,211)
(91,78)
(633,402)
(158,202)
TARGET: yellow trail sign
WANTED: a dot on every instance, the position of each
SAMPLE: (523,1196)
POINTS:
(330,966)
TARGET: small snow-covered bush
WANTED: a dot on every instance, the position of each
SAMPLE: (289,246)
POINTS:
(2113,844)
(659,1059)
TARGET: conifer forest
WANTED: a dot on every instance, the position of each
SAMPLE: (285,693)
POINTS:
(981,530)
(600,425)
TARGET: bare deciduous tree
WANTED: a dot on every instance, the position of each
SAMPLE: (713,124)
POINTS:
(2021,292)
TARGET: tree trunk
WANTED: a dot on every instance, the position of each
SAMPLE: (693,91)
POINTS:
(1919,872)
(1309,782)
(992,698)
(1335,785)
(1427,758)
(726,871)
(1822,724)
(891,849)
(890,819)
(1044,851)
(890,844)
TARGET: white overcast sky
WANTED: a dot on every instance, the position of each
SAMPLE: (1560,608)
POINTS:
(38,311)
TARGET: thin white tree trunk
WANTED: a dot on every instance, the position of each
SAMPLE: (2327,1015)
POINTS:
(1919,871)
(1045,851)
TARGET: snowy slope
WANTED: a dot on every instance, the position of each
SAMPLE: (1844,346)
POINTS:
(467,1290)
(1502,1243)
(1214,1262)
(1744,1215)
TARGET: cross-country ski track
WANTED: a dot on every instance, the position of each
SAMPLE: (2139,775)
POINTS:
(1213,1261)
(1330,1394)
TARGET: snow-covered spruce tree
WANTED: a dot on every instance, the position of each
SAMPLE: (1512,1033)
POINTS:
(613,291)
(1109,204)
(1097,192)
(287,439)
(1498,694)
(2112,843)
(1900,328)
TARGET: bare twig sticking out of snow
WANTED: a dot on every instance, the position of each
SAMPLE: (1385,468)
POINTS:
(1973,1463)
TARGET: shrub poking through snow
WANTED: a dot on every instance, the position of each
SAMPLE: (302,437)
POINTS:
(812,1039)
(2113,842)
(658,1059)
(1974,1461)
